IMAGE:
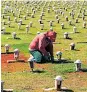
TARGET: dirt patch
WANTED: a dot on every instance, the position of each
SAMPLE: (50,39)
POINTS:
(13,67)
(18,66)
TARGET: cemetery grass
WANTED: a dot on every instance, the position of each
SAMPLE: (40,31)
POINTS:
(21,79)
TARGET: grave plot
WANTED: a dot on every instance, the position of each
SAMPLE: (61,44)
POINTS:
(14,66)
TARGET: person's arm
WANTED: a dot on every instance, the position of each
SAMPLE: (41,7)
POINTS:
(42,45)
(49,48)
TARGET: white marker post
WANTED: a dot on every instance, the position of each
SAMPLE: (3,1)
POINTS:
(19,25)
(8,18)
(4,30)
(31,62)
(70,22)
(50,24)
(66,35)
(72,46)
(76,20)
(66,18)
(30,25)
(9,23)
(7,48)
(27,28)
(78,65)
(84,25)
(42,26)
(58,83)
(74,29)
(62,25)
(2,83)
(14,35)
(58,20)
(59,55)
(15,19)
(20,21)
(16,54)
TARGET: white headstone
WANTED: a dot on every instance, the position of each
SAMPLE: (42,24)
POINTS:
(16,54)
(32,16)
(70,22)
(74,29)
(58,83)
(59,55)
(7,48)
(50,23)
(62,25)
(72,46)
(78,65)
(30,25)
(19,25)
(84,24)
(66,35)
(27,28)
(14,35)
(20,21)
(42,26)
(76,20)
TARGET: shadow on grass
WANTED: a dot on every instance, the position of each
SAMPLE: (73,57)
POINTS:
(7,53)
(23,24)
(84,70)
(68,38)
(67,90)
(38,71)
(81,42)
(63,61)
(18,38)
(12,26)
(7,33)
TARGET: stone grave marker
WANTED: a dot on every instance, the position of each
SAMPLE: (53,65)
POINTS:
(72,46)
(15,19)
(9,23)
(84,24)
(32,15)
(3,30)
(14,35)
(27,28)
(7,48)
(58,83)
(74,29)
(58,20)
(16,54)
(56,16)
(66,18)
(8,18)
(70,22)
(62,25)
(30,24)
(24,17)
(66,35)
(42,26)
(76,20)
(59,55)
(40,21)
(19,25)
(50,23)
(20,21)
(78,65)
